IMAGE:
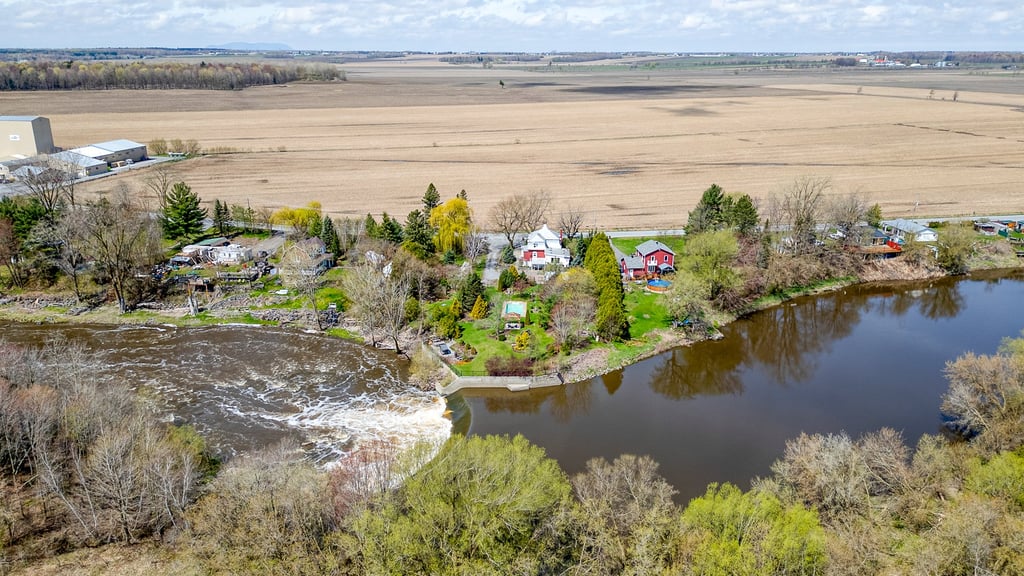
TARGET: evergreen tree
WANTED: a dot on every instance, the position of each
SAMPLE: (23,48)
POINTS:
(472,288)
(329,235)
(463,196)
(431,199)
(315,225)
(418,234)
(390,229)
(221,216)
(182,217)
(743,215)
(610,322)
(707,215)
(371,227)
(874,215)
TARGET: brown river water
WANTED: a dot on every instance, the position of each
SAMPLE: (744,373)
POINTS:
(854,361)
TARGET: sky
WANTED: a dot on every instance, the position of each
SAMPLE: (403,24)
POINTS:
(521,25)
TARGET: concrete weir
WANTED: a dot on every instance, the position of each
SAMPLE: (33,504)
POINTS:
(511,383)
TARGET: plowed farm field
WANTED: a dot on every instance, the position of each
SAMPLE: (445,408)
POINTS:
(634,151)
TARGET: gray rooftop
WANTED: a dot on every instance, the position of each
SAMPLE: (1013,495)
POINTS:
(908,226)
(77,159)
(649,246)
(119,145)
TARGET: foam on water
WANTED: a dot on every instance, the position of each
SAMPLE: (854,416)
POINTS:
(245,387)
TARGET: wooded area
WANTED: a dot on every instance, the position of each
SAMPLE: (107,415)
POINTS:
(77,75)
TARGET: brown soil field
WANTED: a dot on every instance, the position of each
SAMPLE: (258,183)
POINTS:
(634,149)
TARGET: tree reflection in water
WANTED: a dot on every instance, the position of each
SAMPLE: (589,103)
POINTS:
(785,342)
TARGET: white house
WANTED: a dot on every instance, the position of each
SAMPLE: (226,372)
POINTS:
(542,248)
(904,229)
(231,254)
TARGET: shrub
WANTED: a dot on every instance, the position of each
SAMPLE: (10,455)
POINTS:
(498,366)
(508,255)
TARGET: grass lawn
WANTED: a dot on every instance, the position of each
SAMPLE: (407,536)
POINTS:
(628,245)
(480,335)
(646,311)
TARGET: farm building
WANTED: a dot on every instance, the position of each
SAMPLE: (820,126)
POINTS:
(114,152)
(903,229)
(544,247)
(77,164)
(25,136)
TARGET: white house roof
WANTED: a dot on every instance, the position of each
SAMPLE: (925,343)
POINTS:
(91,151)
(650,246)
(545,233)
(77,159)
(17,118)
(119,145)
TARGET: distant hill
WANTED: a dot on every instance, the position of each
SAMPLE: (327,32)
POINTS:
(253,46)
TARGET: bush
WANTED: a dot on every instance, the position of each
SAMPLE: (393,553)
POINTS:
(508,255)
(510,366)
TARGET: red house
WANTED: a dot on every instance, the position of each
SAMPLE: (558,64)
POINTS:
(652,258)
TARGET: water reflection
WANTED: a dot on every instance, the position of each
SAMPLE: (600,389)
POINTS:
(857,360)
(703,369)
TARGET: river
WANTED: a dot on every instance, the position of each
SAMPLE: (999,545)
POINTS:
(246,387)
(856,360)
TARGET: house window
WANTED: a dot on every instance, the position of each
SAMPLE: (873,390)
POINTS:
(666,258)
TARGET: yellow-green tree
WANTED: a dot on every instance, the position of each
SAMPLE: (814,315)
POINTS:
(298,218)
(479,308)
(452,220)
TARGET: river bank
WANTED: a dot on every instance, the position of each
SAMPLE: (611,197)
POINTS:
(48,308)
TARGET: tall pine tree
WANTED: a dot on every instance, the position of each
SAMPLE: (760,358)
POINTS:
(221,216)
(182,217)
(329,235)
(431,199)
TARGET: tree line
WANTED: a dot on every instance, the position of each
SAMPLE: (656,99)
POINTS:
(145,75)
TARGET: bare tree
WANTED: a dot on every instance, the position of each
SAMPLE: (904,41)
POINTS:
(159,183)
(570,220)
(845,212)
(474,244)
(520,212)
(800,208)
(64,240)
(300,271)
(571,317)
(122,238)
(53,186)
(378,300)
(984,397)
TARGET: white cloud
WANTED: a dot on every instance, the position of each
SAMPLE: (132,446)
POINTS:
(528,25)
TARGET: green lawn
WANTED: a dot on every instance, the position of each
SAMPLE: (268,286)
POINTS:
(480,335)
(646,311)
(628,245)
